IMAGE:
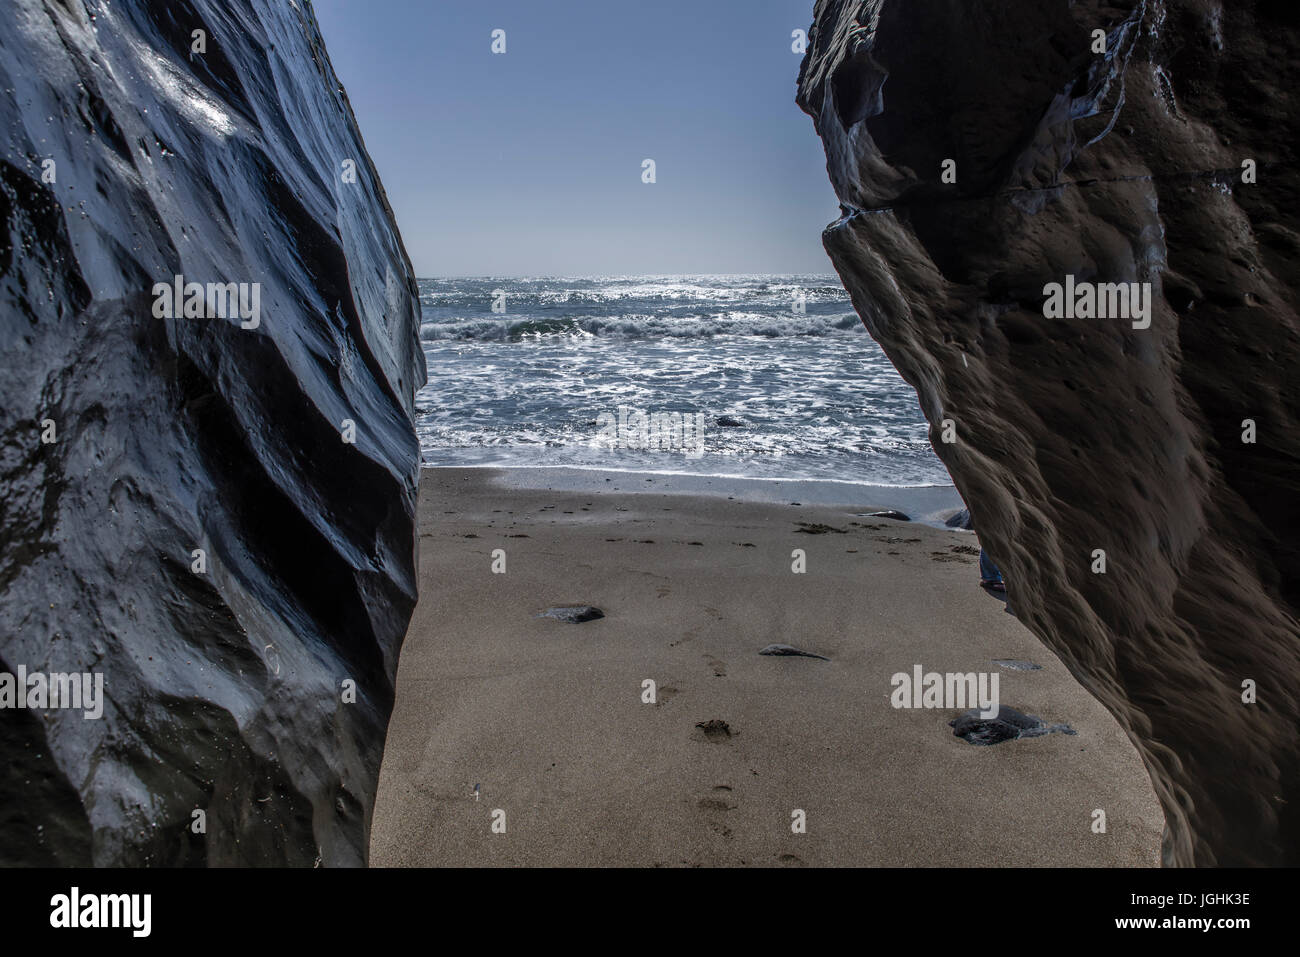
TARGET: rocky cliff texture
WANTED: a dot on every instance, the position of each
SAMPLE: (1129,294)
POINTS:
(212,141)
(1119,158)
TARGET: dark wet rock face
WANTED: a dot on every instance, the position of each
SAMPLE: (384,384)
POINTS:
(130,158)
(1079,434)
(1008,725)
(575,614)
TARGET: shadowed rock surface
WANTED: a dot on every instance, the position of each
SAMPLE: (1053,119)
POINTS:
(224,690)
(1083,434)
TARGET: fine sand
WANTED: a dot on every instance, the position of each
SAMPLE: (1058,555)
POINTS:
(547,718)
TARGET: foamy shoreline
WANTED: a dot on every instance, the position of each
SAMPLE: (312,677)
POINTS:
(927,504)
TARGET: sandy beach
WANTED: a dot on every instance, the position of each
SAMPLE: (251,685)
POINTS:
(501,710)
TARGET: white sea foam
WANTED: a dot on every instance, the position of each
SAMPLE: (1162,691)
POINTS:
(815,396)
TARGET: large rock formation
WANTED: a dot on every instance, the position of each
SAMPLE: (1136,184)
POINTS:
(209,140)
(1082,434)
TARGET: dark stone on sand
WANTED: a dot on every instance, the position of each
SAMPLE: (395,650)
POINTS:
(729,422)
(1084,433)
(890,513)
(222,684)
(573,613)
(788,651)
(1015,664)
(1009,725)
(959,519)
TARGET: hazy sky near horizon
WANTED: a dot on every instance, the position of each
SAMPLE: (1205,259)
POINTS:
(530,162)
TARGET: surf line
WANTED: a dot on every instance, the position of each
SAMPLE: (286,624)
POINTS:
(1106,300)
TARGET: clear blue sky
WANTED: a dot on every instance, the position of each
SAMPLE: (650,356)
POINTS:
(529,163)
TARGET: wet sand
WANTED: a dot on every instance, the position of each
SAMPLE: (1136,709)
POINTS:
(547,718)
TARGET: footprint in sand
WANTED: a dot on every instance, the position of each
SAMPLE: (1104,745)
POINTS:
(714,730)
(714,804)
(716,809)
(718,665)
(817,528)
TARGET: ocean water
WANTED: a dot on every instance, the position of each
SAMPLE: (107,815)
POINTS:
(541,384)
